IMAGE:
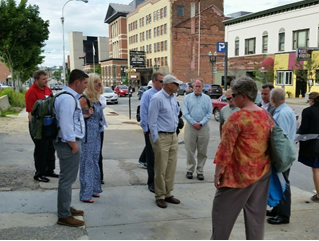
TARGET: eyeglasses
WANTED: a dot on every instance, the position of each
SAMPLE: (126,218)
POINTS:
(229,98)
(161,81)
(233,95)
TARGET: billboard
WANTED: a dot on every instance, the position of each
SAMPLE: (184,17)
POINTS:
(137,58)
(303,54)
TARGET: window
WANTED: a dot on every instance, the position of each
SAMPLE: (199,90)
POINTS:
(165,28)
(146,19)
(146,34)
(250,46)
(300,39)
(154,16)
(150,18)
(154,47)
(158,31)
(158,47)
(146,48)
(165,61)
(150,48)
(141,37)
(165,44)
(150,33)
(165,12)
(158,15)
(281,40)
(162,12)
(265,42)
(237,46)
(154,32)
(162,46)
(284,78)
(162,29)
(180,10)
(162,61)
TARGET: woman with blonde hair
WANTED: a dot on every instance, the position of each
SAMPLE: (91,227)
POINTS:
(309,150)
(91,143)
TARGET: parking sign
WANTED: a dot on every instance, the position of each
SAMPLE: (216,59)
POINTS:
(221,47)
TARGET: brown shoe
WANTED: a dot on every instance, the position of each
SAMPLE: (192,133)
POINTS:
(70,221)
(75,212)
(161,203)
(172,200)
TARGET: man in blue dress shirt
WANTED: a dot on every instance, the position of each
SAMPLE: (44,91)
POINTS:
(68,145)
(286,120)
(197,110)
(145,102)
(162,121)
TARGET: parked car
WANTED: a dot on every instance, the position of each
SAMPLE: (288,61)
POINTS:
(184,89)
(141,90)
(110,96)
(59,86)
(121,90)
(2,86)
(52,86)
(213,90)
(219,103)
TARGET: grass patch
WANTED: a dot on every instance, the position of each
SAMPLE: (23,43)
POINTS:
(10,111)
(16,99)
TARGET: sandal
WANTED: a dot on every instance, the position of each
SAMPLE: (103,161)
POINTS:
(96,195)
(88,201)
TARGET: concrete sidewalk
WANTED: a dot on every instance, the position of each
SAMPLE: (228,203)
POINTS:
(126,209)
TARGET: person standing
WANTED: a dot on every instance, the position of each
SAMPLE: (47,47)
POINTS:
(242,171)
(309,150)
(265,98)
(197,111)
(286,120)
(44,157)
(226,111)
(90,175)
(72,130)
(157,81)
(162,121)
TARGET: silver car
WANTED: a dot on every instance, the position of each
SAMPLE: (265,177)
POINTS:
(110,96)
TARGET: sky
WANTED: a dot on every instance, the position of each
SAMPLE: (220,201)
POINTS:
(88,18)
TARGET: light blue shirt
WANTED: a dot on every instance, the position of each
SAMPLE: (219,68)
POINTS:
(286,119)
(145,102)
(162,114)
(69,116)
(197,108)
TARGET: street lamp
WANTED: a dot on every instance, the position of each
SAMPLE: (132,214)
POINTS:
(62,21)
(212,59)
(156,67)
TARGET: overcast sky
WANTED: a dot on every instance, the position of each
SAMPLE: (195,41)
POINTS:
(89,19)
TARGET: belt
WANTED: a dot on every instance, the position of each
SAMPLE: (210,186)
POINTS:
(76,139)
(166,132)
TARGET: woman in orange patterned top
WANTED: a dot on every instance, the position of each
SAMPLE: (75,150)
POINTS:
(242,165)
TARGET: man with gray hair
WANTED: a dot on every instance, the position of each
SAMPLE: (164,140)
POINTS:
(163,121)
(285,118)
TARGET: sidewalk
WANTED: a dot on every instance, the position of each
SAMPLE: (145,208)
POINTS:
(126,209)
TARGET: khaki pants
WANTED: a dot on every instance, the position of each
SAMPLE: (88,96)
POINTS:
(165,153)
(196,139)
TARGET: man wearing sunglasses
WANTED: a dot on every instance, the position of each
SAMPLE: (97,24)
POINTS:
(163,121)
(157,84)
(197,110)
(226,110)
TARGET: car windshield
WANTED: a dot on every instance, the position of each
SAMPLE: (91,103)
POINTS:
(123,87)
(107,90)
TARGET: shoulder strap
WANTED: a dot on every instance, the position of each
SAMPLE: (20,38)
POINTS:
(87,100)
(65,92)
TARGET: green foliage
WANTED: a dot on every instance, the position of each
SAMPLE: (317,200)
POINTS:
(264,76)
(57,74)
(16,99)
(23,33)
(10,111)
(306,70)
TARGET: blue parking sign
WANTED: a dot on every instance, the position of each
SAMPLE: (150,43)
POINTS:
(221,47)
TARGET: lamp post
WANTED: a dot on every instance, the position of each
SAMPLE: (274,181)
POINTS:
(212,60)
(62,21)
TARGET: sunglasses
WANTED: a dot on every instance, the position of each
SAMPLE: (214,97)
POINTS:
(161,81)
(99,84)
(176,84)
(229,98)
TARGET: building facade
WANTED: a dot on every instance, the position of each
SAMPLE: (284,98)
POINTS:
(278,33)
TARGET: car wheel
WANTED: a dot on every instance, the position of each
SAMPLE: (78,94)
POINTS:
(116,102)
(216,113)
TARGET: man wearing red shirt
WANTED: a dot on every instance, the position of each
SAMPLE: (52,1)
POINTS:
(44,157)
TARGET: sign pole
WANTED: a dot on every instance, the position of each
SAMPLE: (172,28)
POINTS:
(226,66)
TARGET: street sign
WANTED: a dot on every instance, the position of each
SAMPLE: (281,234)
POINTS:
(221,47)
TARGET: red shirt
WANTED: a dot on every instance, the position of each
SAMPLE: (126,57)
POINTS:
(33,94)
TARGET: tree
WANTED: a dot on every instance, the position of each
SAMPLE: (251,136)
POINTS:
(305,70)
(265,76)
(22,36)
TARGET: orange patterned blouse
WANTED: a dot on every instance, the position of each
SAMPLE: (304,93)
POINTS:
(243,148)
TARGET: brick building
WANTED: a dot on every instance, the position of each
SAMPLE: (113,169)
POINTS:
(4,72)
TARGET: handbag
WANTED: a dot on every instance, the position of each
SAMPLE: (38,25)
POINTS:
(309,143)
(281,149)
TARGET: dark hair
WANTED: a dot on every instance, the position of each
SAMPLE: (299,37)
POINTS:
(314,96)
(268,85)
(155,75)
(38,73)
(77,74)
(245,86)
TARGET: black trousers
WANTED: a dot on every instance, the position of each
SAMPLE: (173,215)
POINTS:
(143,156)
(101,157)
(44,156)
(283,209)
(149,159)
